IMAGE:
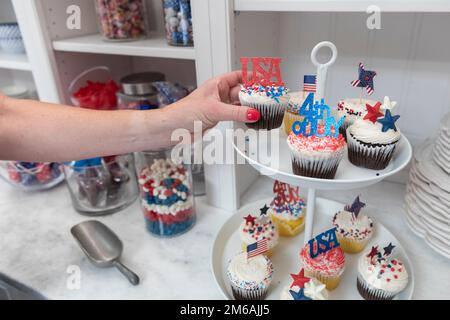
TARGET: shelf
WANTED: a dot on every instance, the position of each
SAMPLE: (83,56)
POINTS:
(153,47)
(342,5)
(14,61)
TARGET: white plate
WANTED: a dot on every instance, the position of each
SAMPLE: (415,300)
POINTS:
(427,168)
(432,205)
(348,176)
(286,259)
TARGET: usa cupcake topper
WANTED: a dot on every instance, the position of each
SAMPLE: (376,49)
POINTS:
(265,71)
(323,243)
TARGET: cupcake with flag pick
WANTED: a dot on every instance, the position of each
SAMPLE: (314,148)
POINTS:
(381,276)
(295,102)
(304,288)
(264,90)
(254,229)
(287,209)
(353,229)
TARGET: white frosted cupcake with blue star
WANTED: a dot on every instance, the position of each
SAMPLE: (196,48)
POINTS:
(304,288)
(372,141)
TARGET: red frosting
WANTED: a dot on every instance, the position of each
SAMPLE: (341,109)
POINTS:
(330,263)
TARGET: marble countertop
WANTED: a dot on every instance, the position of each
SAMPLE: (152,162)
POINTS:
(38,250)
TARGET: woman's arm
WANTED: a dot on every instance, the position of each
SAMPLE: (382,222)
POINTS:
(36,131)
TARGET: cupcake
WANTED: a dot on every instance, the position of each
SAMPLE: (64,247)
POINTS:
(314,156)
(304,288)
(292,112)
(287,210)
(380,276)
(352,109)
(327,267)
(353,229)
(250,278)
(254,229)
(372,142)
(271,102)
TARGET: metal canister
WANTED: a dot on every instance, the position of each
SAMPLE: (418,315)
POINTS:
(138,92)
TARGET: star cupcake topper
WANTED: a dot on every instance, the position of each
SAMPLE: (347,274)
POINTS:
(388,104)
(299,279)
(388,249)
(365,79)
(264,210)
(300,295)
(250,220)
(388,121)
(355,207)
(373,112)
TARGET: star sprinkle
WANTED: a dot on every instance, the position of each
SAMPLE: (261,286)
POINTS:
(388,121)
(315,290)
(299,279)
(388,249)
(250,220)
(365,79)
(264,210)
(373,252)
(355,208)
(373,112)
(300,295)
(388,104)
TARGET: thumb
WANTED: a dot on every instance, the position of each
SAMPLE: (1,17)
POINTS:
(229,112)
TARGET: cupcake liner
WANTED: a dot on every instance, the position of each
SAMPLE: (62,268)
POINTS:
(323,166)
(289,229)
(289,119)
(343,128)
(352,245)
(248,294)
(370,156)
(370,293)
(272,115)
(331,282)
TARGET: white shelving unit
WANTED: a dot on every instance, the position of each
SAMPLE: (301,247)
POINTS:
(14,61)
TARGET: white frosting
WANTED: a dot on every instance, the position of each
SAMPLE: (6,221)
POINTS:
(296,100)
(393,279)
(314,289)
(369,132)
(359,228)
(261,98)
(357,105)
(252,273)
(247,238)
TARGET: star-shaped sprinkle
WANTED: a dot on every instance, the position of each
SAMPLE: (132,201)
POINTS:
(299,279)
(315,290)
(388,249)
(373,112)
(264,210)
(373,252)
(300,295)
(356,207)
(250,220)
(388,121)
(388,104)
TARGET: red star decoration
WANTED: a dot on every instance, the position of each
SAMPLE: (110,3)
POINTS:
(373,113)
(373,252)
(299,279)
(250,219)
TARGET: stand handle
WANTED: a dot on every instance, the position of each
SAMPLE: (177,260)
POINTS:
(310,208)
(322,68)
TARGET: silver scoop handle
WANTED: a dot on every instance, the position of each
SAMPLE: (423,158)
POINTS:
(130,275)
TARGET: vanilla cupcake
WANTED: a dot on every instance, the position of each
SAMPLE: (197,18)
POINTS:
(254,229)
(371,145)
(304,288)
(353,229)
(292,112)
(352,109)
(250,278)
(270,101)
(381,276)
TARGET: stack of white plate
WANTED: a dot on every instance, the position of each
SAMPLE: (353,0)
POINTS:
(428,192)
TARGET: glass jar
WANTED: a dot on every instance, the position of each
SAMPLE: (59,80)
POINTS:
(31,176)
(138,92)
(178,22)
(102,186)
(122,20)
(166,192)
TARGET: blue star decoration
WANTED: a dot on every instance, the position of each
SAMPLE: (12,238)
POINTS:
(388,121)
(264,210)
(388,249)
(356,207)
(299,295)
(365,79)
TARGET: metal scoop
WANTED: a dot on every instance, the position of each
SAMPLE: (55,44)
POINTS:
(102,246)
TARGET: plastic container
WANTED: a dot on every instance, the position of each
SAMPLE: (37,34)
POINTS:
(31,176)
(138,92)
(122,20)
(102,186)
(166,192)
(11,38)
(178,22)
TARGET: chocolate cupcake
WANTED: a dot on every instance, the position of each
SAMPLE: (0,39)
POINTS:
(352,109)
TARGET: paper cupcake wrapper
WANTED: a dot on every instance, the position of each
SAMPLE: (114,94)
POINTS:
(370,156)
(343,128)
(352,245)
(370,293)
(248,294)
(286,229)
(272,115)
(320,166)
(289,119)
(331,282)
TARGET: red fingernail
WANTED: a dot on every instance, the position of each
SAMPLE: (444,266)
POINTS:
(253,115)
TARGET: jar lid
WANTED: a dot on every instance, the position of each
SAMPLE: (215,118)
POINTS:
(141,83)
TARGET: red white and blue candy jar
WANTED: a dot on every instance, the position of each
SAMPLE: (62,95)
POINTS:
(166,191)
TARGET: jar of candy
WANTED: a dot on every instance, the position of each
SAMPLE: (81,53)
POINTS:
(31,176)
(166,191)
(138,92)
(178,22)
(102,186)
(122,20)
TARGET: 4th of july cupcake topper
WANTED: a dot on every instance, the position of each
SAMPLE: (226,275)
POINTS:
(324,242)
(285,193)
(265,71)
